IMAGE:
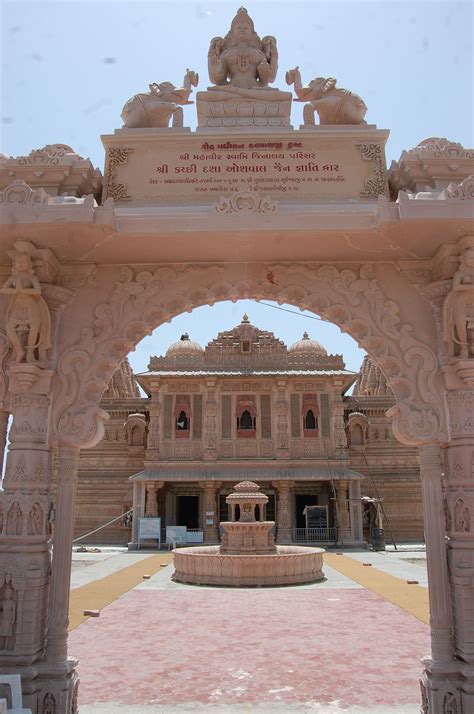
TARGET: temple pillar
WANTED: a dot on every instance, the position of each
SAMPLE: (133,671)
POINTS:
(211,510)
(25,544)
(343,513)
(58,619)
(283,511)
(448,679)
(436,554)
(282,411)
(151,504)
(152,452)
(138,511)
(355,507)
(3,437)
(210,422)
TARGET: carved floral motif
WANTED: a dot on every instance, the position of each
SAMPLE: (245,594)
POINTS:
(113,188)
(245,202)
(463,191)
(376,184)
(19,193)
(353,301)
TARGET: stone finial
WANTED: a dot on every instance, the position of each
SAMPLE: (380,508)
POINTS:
(245,319)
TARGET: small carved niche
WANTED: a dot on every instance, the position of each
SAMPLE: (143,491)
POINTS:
(49,704)
(35,520)
(14,520)
(462,518)
(8,614)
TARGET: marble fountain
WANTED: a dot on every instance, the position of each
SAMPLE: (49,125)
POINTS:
(248,554)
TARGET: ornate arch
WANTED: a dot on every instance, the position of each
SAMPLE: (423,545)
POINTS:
(353,299)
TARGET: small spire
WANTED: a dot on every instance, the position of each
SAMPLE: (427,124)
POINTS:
(305,335)
(245,319)
(185,337)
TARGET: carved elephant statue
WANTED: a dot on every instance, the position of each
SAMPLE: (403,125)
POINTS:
(333,105)
(159,105)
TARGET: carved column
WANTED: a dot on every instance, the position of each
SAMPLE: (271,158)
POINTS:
(67,466)
(355,507)
(25,534)
(283,511)
(281,408)
(210,422)
(152,453)
(138,511)
(436,554)
(449,685)
(151,506)
(211,510)
(343,514)
(339,430)
(3,437)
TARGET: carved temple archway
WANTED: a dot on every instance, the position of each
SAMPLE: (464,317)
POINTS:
(386,256)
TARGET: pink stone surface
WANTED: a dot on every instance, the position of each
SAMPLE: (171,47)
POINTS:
(240,646)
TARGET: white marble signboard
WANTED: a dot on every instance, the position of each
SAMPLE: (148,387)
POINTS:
(170,169)
(149,528)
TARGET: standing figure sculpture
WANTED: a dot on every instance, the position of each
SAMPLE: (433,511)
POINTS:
(241,67)
(156,108)
(333,104)
(28,323)
(7,620)
(458,310)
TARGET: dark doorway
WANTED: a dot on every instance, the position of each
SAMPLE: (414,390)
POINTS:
(188,511)
(301,502)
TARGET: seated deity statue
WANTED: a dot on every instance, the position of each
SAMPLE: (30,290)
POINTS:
(458,310)
(242,66)
(333,104)
(160,104)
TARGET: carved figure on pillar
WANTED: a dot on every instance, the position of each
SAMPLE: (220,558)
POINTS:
(458,311)
(7,618)
(28,322)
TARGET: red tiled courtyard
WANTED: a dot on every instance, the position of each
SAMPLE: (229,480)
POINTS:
(211,646)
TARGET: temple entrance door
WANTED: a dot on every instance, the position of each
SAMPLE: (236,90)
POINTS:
(303,500)
(188,511)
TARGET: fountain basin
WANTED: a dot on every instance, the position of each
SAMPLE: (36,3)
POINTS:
(206,565)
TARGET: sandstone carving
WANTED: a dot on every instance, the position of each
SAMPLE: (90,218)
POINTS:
(458,311)
(160,104)
(245,202)
(241,66)
(333,104)
(19,192)
(7,618)
(28,324)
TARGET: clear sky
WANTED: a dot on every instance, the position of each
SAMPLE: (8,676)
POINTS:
(68,68)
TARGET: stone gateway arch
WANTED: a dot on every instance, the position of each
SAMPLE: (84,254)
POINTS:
(243,207)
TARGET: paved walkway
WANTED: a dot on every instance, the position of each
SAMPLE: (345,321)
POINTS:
(338,646)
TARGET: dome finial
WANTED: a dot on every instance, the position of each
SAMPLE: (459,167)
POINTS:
(305,335)
(184,337)
(245,319)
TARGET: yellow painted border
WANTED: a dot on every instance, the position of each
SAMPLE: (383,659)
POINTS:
(103,592)
(411,598)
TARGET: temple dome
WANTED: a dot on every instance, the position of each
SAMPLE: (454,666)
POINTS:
(308,346)
(184,346)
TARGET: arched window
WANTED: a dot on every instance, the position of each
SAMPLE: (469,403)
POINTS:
(182,422)
(310,420)
(246,421)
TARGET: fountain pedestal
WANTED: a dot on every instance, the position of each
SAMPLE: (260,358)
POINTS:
(248,555)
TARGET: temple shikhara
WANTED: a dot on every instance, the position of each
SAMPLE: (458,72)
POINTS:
(263,437)
(249,407)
